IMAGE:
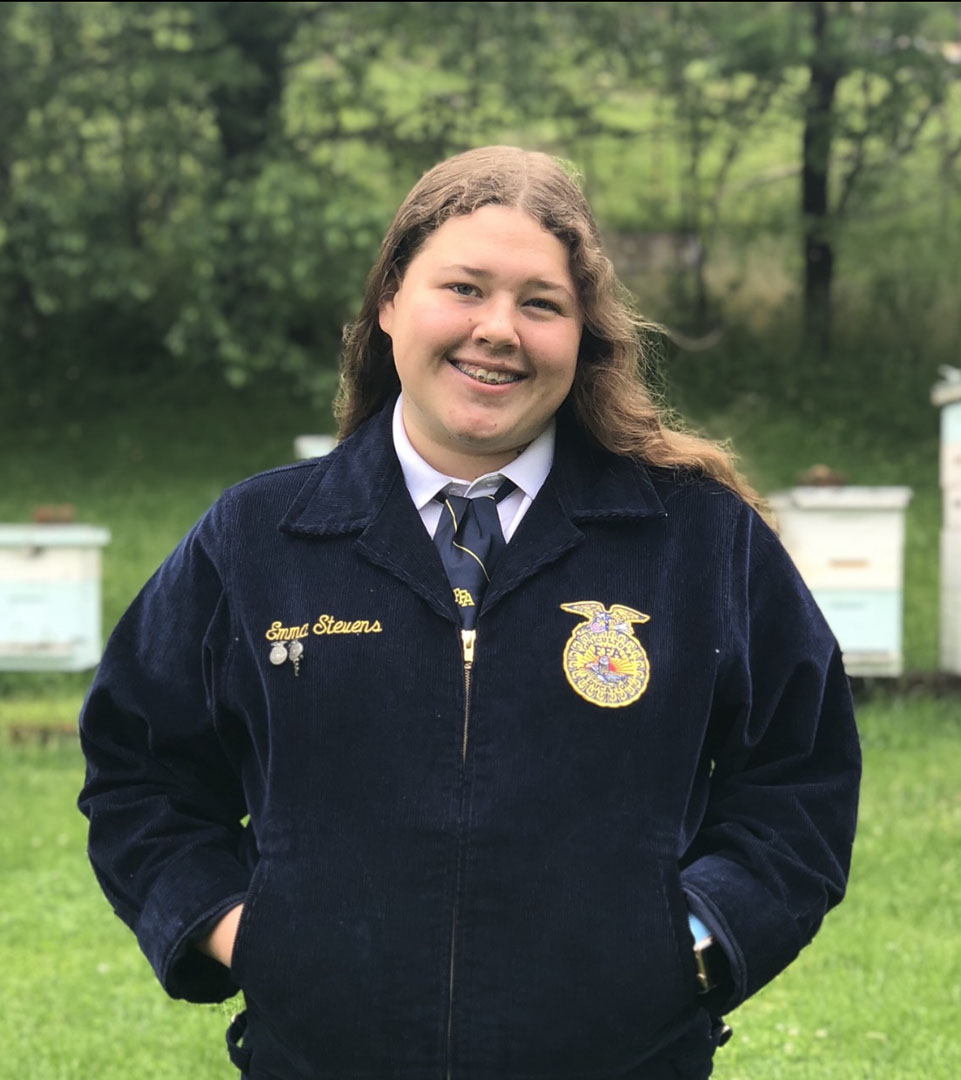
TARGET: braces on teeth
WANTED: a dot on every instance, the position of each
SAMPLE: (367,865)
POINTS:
(489,377)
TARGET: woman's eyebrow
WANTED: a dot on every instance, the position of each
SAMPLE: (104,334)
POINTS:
(474,271)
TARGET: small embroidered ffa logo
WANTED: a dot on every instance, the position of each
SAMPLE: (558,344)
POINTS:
(603,660)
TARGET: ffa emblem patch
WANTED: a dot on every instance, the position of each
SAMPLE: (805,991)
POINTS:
(603,660)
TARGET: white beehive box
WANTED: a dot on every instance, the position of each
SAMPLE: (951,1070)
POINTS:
(950,639)
(50,597)
(947,395)
(310,446)
(848,545)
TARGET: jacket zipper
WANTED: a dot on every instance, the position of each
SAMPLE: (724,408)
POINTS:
(468,639)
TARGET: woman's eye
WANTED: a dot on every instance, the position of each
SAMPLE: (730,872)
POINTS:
(544,305)
(463,289)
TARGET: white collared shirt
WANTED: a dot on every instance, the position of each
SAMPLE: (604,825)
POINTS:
(528,471)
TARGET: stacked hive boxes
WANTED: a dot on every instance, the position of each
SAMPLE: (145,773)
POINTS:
(948,395)
(848,544)
(50,597)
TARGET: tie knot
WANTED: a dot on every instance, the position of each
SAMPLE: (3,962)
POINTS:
(498,493)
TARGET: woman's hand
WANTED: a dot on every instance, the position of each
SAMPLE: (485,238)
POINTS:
(220,942)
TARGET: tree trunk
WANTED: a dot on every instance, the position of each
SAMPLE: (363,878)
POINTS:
(247,107)
(825,74)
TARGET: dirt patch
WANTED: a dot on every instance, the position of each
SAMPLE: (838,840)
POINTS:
(40,734)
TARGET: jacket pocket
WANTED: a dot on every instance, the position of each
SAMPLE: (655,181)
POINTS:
(308,957)
(599,959)
(679,912)
(237,956)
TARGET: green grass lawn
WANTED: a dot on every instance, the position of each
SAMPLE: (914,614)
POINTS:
(79,1001)
(875,997)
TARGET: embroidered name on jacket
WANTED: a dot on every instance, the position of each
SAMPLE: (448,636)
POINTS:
(603,660)
(325,624)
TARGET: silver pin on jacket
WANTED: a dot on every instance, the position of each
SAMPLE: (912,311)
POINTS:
(279,653)
(296,651)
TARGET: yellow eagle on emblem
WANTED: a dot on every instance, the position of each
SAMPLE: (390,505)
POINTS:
(603,660)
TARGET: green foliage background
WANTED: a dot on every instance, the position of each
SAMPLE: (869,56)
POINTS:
(198,187)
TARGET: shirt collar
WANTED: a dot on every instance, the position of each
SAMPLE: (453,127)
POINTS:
(528,470)
(349,490)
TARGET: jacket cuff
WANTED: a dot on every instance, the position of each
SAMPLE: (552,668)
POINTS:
(203,884)
(758,935)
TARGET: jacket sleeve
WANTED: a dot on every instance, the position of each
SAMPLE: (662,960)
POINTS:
(162,791)
(773,850)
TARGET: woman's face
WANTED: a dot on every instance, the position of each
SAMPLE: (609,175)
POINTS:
(485,329)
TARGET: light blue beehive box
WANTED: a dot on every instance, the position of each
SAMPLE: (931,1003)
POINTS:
(50,611)
(848,544)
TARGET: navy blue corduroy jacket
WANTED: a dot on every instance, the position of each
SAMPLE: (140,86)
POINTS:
(473,870)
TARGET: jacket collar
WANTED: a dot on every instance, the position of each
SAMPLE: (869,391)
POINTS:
(350,488)
(594,484)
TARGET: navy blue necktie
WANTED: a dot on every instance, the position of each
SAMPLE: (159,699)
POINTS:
(469,538)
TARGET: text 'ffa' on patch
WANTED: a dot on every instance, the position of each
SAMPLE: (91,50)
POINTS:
(603,660)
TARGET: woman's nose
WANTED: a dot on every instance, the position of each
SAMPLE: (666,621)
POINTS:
(495,325)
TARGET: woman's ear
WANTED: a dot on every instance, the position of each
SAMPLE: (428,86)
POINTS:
(385,314)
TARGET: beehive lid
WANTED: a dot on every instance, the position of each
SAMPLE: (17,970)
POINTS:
(848,497)
(949,389)
(53,536)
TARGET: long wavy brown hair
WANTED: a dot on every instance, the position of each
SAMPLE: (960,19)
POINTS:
(610,397)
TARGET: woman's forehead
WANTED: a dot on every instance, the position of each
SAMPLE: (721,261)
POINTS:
(498,237)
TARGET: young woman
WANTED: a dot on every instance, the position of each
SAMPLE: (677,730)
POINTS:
(439,826)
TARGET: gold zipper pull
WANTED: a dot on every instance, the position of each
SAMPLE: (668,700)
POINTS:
(467,638)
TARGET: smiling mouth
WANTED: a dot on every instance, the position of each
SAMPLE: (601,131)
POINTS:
(485,376)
